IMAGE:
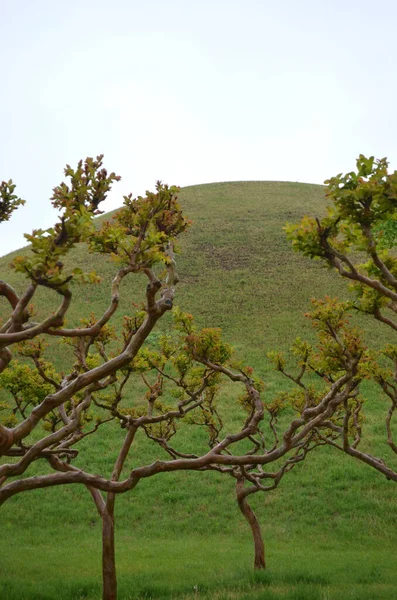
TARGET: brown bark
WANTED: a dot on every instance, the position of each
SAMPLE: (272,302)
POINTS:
(6,438)
(106,510)
(5,358)
(9,292)
(109,577)
(259,560)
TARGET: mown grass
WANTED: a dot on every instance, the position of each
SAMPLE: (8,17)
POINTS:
(158,569)
(329,528)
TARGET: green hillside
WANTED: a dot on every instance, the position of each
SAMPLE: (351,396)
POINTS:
(329,528)
(237,269)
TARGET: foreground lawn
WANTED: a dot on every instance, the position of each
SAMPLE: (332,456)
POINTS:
(196,566)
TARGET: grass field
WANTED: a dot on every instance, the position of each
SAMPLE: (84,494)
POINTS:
(329,528)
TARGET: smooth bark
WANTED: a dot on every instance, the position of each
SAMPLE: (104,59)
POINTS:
(259,546)
(109,577)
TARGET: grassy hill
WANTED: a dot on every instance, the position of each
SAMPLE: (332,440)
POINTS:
(237,269)
(329,527)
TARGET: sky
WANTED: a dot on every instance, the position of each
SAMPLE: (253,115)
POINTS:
(191,92)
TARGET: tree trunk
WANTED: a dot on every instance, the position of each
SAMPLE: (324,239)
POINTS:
(259,561)
(106,510)
(108,557)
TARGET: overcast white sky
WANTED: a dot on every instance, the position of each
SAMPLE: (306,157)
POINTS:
(191,91)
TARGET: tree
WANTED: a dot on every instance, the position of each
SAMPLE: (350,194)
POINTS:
(92,391)
(140,239)
(357,240)
(177,385)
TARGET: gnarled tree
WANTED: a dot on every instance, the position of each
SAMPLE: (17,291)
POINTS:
(178,384)
(357,240)
(62,408)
